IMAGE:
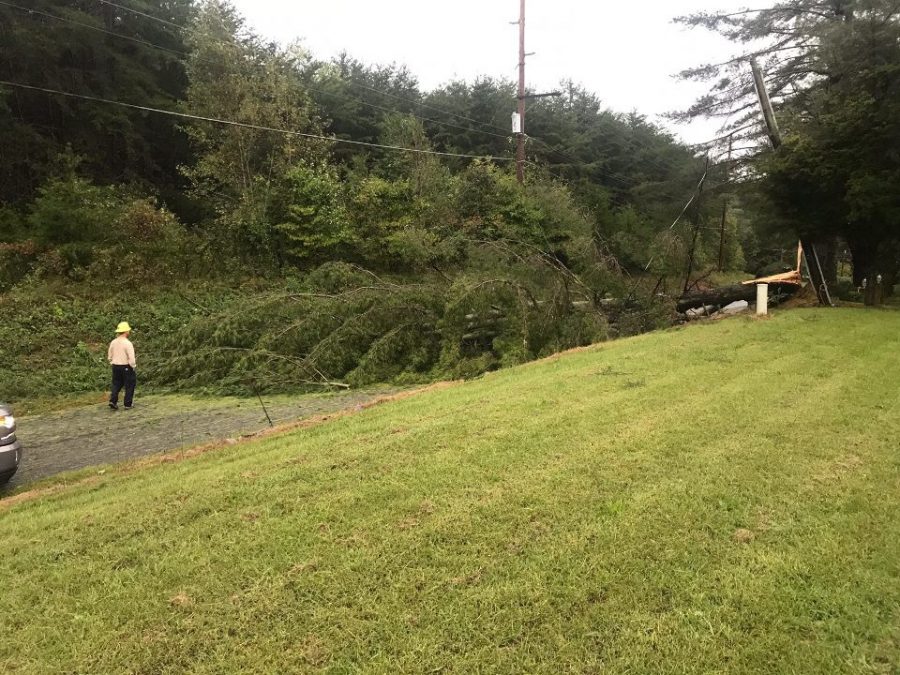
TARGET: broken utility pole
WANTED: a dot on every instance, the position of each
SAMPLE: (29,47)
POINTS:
(813,264)
(766,105)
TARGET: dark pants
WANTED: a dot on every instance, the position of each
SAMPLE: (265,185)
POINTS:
(123,376)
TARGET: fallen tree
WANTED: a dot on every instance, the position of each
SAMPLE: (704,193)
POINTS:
(727,294)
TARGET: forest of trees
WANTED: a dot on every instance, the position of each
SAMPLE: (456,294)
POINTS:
(833,68)
(152,142)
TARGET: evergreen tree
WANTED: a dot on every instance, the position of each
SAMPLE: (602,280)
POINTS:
(833,70)
(93,49)
(235,76)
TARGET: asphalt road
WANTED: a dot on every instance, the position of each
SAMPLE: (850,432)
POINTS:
(95,435)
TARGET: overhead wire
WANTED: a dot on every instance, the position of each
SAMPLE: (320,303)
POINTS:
(690,201)
(29,10)
(565,155)
(183,54)
(623,180)
(422,104)
(143,14)
(391,110)
(332,139)
(334,94)
(247,125)
(493,126)
(561,177)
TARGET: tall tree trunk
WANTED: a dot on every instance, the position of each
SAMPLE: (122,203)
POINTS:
(890,282)
(829,248)
(872,259)
(864,255)
(727,294)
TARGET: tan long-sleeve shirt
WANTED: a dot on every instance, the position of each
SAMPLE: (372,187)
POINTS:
(121,352)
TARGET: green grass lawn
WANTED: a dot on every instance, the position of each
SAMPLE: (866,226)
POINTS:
(720,498)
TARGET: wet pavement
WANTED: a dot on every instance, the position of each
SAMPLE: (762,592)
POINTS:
(95,435)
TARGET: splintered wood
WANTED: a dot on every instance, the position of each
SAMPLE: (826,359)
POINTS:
(792,277)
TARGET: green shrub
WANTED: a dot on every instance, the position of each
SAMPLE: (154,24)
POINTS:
(17,260)
(73,211)
(311,222)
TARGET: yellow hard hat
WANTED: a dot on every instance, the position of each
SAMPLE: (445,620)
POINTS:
(123,327)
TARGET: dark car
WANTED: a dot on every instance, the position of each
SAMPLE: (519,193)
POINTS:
(10,448)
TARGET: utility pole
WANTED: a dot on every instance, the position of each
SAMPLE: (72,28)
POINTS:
(697,220)
(766,105)
(518,119)
(725,206)
(816,273)
(520,142)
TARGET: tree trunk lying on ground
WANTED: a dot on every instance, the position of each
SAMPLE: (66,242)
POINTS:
(728,294)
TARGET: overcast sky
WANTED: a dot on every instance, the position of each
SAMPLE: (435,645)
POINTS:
(626,52)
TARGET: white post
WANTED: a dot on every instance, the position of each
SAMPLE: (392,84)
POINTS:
(762,299)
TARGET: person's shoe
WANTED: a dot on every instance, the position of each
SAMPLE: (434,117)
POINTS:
(129,407)
(113,406)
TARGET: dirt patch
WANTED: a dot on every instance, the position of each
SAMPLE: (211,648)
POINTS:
(304,568)
(43,492)
(838,469)
(743,535)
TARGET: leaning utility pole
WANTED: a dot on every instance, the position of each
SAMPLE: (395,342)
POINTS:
(697,223)
(520,141)
(813,264)
(766,105)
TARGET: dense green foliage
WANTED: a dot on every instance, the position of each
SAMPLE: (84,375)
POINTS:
(54,336)
(241,182)
(840,168)
(379,263)
(80,52)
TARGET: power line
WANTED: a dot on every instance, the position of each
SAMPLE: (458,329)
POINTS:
(186,55)
(547,145)
(321,91)
(690,201)
(143,14)
(591,168)
(421,104)
(617,177)
(246,125)
(586,166)
(424,105)
(38,12)
(391,110)
(617,144)
(606,146)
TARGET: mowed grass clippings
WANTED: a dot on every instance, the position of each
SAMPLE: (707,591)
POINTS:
(721,498)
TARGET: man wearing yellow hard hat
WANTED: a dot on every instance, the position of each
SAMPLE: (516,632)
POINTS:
(121,358)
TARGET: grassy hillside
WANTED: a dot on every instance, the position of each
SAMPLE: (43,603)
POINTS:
(722,498)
